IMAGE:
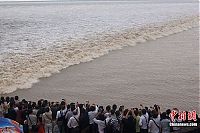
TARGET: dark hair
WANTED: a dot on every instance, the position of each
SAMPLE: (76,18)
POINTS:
(62,103)
(33,105)
(168,111)
(72,106)
(144,111)
(62,107)
(2,99)
(39,104)
(108,108)
(68,106)
(136,112)
(16,98)
(117,113)
(7,99)
(12,100)
(92,108)
(101,109)
(130,113)
(125,112)
(112,112)
(154,113)
(114,107)
(163,115)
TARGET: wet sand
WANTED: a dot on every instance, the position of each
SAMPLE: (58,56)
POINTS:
(164,72)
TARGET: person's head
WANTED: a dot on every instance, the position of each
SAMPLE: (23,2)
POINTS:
(33,105)
(101,109)
(62,107)
(163,115)
(11,105)
(154,113)
(16,98)
(12,99)
(39,103)
(125,112)
(144,111)
(68,106)
(136,112)
(7,99)
(24,101)
(130,113)
(114,107)
(72,106)
(112,112)
(168,111)
(121,108)
(62,103)
(92,108)
(117,113)
(108,108)
(2,99)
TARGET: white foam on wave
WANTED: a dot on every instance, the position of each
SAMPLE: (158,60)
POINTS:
(21,70)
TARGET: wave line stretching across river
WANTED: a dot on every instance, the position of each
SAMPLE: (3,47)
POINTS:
(21,70)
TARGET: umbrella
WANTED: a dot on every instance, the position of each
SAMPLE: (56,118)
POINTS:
(10,126)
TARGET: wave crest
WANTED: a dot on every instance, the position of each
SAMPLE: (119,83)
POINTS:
(20,70)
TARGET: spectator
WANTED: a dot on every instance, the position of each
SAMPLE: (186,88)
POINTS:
(128,122)
(32,122)
(92,113)
(47,120)
(101,122)
(144,121)
(73,122)
(165,128)
(60,118)
(154,123)
(11,112)
(137,120)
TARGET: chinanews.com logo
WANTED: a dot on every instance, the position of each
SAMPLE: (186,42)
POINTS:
(183,118)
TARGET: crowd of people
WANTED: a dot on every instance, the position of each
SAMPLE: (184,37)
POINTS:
(63,117)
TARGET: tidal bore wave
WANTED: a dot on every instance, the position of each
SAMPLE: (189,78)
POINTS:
(21,70)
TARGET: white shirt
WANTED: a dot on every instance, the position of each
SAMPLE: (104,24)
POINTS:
(144,121)
(32,120)
(47,117)
(61,112)
(101,125)
(107,115)
(152,126)
(92,115)
(73,121)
